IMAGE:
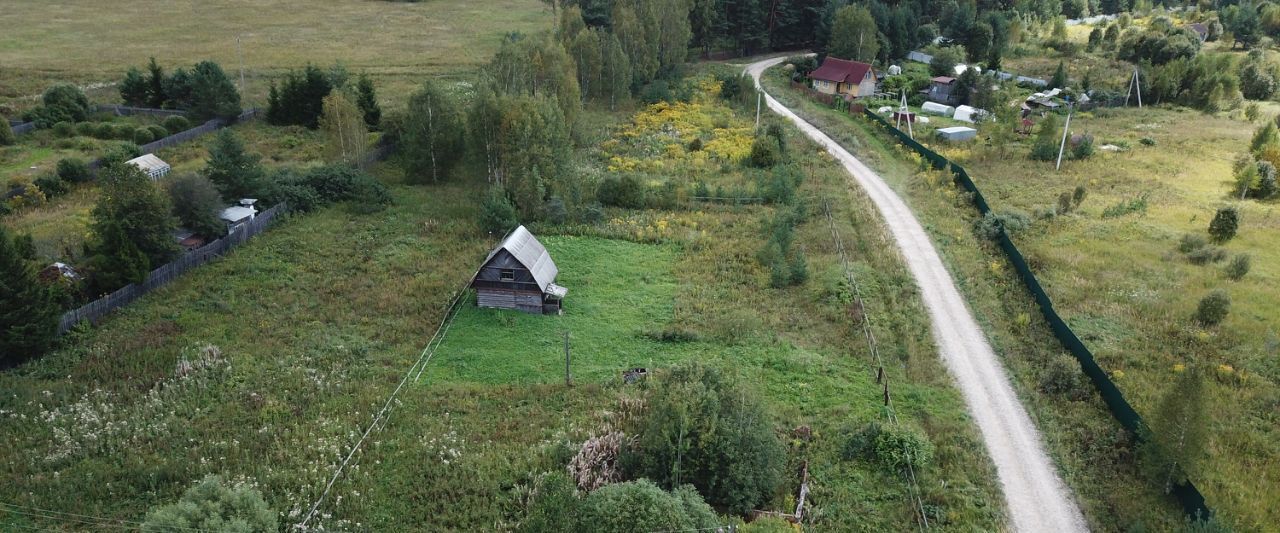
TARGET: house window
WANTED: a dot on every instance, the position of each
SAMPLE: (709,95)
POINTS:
(507,274)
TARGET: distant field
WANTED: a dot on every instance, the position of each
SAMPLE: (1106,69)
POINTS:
(89,41)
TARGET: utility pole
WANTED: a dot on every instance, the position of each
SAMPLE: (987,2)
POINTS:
(240,50)
(1063,146)
(568,379)
(759,96)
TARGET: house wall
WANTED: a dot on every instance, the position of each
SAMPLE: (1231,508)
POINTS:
(527,301)
(867,87)
(825,87)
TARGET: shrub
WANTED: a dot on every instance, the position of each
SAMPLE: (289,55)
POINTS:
(7,137)
(552,508)
(1213,308)
(63,102)
(1224,224)
(1124,207)
(1192,242)
(497,214)
(211,505)
(765,152)
(656,91)
(28,313)
(142,136)
(157,131)
(196,204)
(176,123)
(73,170)
(555,211)
(1062,376)
(64,129)
(1064,203)
(51,185)
(703,428)
(1147,141)
(641,506)
(596,463)
(695,145)
(894,446)
(1238,267)
(119,153)
(621,191)
(87,129)
(1078,196)
(989,225)
(1206,254)
(1083,149)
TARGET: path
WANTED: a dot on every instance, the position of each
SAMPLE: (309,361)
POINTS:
(1036,498)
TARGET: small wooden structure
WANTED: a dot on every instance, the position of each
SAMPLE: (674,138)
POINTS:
(519,274)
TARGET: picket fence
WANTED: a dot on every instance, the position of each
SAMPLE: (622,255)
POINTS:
(94,311)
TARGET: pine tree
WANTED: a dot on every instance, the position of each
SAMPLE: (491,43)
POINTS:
(213,95)
(346,135)
(432,134)
(156,96)
(235,172)
(28,312)
(1179,430)
(368,102)
(133,88)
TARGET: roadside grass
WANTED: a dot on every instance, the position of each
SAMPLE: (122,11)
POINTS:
(1092,451)
(316,320)
(450,36)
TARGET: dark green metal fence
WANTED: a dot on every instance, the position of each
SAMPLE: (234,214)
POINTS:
(1186,493)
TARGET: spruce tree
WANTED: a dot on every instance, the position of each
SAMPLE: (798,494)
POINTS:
(133,89)
(1059,80)
(156,96)
(234,171)
(212,93)
(368,102)
(117,261)
(132,202)
(28,312)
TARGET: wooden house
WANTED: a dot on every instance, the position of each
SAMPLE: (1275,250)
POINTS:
(940,89)
(519,274)
(851,79)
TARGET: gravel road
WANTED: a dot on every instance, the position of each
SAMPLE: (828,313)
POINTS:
(1035,497)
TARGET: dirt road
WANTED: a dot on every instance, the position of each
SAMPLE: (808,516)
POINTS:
(1035,497)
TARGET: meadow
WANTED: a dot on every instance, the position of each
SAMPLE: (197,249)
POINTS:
(1121,283)
(266,366)
(400,42)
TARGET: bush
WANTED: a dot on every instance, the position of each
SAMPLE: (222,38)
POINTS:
(176,123)
(1062,376)
(157,131)
(196,204)
(1238,267)
(695,145)
(119,153)
(989,225)
(142,136)
(51,185)
(641,506)
(1206,254)
(7,137)
(64,129)
(552,508)
(63,102)
(211,505)
(73,170)
(621,191)
(765,152)
(894,446)
(1083,149)
(703,428)
(1147,141)
(1213,308)
(656,91)
(1224,224)
(497,214)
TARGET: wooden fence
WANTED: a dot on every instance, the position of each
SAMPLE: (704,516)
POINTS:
(20,128)
(95,310)
(122,110)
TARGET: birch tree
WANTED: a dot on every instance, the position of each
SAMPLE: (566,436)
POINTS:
(432,136)
(344,130)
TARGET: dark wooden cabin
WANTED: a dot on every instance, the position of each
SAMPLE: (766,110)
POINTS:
(519,274)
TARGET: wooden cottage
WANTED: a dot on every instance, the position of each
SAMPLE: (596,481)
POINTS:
(519,274)
(851,79)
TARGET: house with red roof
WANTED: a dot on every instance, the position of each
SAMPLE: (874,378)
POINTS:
(851,79)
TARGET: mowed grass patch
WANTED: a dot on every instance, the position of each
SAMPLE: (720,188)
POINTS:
(620,293)
(85,41)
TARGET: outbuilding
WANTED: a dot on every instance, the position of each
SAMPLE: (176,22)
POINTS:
(969,114)
(519,274)
(935,108)
(940,90)
(238,215)
(957,133)
(152,166)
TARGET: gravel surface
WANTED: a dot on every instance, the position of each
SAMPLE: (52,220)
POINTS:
(1035,497)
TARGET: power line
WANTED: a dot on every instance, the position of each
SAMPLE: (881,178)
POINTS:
(419,365)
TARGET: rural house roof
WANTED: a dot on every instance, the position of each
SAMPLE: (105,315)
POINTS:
(840,70)
(148,162)
(945,80)
(523,246)
(1200,29)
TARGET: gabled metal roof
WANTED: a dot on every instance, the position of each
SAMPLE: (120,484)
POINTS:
(529,252)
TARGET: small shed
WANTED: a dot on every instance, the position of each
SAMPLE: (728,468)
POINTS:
(957,133)
(519,274)
(904,116)
(152,166)
(238,215)
(940,90)
(935,108)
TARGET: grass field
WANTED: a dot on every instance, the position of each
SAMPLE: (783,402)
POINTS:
(1123,287)
(397,42)
(315,322)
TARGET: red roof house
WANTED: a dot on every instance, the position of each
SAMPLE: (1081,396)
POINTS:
(844,77)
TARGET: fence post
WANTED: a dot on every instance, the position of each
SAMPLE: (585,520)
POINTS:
(568,378)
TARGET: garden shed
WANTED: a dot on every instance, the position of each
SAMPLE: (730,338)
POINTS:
(519,274)
(152,166)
